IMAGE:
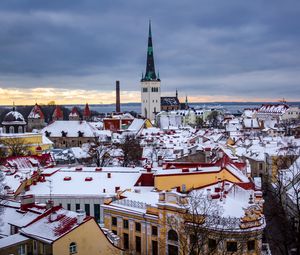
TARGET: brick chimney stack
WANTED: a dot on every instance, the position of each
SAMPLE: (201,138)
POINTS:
(118,105)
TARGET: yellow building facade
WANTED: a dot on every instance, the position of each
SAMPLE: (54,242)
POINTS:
(193,179)
(154,233)
(33,143)
(87,238)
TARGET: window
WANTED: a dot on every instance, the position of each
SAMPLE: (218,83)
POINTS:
(138,244)
(193,239)
(260,166)
(11,130)
(212,244)
(20,129)
(114,221)
(34,245)
(251,245)
(97,212)
(77,207)
(172,235)
(145,90)
(138,227)
(232,246)
(69,207)
(22,249)
(172,250)
(154,248)
(125,224)
(87,209)
(115,232)
(154,230)
(126,241)
(73,248)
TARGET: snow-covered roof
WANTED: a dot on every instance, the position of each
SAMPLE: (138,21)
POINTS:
(273,108)
(71,127)
(13,117)
(36,113)
(65,182)
(136,125)
(49,229)
(12,240)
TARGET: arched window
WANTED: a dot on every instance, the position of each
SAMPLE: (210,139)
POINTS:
(172,242)
(73,248)
(20,129)
(172,235)
(11,130)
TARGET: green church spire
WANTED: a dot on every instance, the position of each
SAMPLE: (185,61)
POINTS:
(150,74)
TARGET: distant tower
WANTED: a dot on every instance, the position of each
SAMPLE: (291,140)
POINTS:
(176,93)
(118,105)
(36,118)
(150,83)
(186,103)
(86,112)
(74,114)
(57,114)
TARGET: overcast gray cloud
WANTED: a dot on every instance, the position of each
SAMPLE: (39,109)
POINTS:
(222,48)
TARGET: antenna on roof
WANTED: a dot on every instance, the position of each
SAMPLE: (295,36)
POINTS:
(50,189)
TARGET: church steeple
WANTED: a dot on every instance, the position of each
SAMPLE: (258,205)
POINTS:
(150,74)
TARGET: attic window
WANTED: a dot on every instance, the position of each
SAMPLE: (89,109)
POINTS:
(73,248)
(88,179)
(67,178)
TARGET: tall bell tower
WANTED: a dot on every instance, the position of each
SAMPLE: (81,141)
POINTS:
(150,85)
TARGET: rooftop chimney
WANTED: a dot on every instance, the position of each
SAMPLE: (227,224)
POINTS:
(27,201)
(81,214)
(118,106)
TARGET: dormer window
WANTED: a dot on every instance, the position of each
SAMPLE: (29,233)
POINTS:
(47,133)
(64,134)
(80,134)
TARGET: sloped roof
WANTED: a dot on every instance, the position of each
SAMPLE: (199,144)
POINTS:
(48,230)
(58,113)
(169,101)
(14,117)
(71,127)
(36,113)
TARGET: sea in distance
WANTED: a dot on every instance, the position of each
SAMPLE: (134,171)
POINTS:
(231,107)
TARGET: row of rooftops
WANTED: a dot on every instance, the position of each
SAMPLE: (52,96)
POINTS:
(37,113)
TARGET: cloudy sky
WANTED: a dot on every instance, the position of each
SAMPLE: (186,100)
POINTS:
(210,50)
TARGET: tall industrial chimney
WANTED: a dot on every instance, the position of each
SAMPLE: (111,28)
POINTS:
(118,106)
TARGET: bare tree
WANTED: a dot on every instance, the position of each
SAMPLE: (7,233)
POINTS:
(100,152)
(14,146)
(214,118)
(283,204)
(132,150)
(202,229)
(3,195)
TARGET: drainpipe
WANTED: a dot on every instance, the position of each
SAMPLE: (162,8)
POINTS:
(146,233)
